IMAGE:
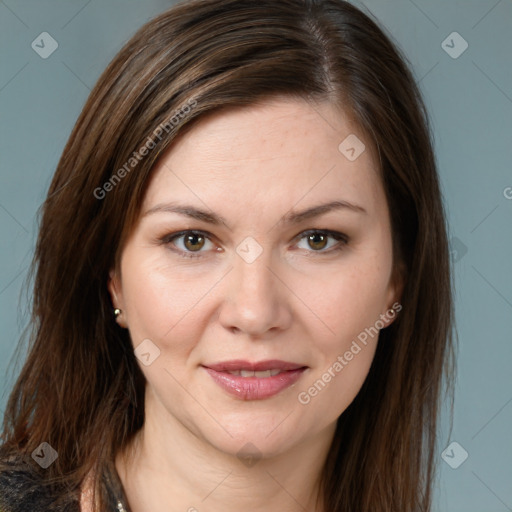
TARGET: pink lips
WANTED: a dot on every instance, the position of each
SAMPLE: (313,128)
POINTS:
(270,378)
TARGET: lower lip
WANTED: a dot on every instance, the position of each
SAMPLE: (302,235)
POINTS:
(255,388)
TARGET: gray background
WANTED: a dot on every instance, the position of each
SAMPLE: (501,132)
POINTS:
(470,100)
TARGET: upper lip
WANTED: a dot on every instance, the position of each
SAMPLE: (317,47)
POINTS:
(239,364)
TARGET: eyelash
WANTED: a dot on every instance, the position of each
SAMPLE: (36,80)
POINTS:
(340,237)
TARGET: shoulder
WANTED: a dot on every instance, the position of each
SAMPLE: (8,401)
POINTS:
(23,488)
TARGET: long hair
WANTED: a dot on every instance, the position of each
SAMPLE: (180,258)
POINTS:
(81,389)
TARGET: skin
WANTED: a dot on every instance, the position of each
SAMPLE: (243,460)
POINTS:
(298,301)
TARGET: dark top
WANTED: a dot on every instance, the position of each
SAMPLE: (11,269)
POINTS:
(22,490)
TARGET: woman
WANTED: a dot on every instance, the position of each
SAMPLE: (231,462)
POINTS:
(242,292)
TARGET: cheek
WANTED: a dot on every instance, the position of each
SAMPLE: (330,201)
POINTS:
(349,300)
(350,307)
(160,303)
(331,390)
(350,304)
(160,308)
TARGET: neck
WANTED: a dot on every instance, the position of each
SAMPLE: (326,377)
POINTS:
(169,467)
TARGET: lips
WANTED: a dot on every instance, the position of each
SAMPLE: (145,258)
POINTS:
(254,380)
(261,374)
(239,365)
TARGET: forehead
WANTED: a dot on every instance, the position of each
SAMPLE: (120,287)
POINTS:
(280,152)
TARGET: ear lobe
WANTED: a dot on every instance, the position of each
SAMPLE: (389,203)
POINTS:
(116,297)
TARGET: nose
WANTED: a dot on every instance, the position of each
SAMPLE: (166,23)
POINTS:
(255,301)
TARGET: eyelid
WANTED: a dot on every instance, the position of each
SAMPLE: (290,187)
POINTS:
(171,237)
(342,239)
(337,235)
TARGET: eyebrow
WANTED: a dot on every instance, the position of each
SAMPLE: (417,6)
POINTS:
(289,218)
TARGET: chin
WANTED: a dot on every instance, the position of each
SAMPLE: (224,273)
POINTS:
(255,433)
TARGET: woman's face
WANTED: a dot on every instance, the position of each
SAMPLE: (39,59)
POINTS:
(285,266)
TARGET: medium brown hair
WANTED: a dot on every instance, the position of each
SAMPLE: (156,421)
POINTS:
(81,389)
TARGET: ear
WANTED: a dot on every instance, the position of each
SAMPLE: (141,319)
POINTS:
(116,296)
(394,295)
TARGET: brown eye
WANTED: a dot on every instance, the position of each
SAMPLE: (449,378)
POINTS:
(194,241)
(190,244)
(322,241)
(317,241)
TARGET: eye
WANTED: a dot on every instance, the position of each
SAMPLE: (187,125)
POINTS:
(190,244)
(186,243)
(318,240)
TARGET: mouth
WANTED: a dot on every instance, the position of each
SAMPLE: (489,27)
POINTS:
(255,381)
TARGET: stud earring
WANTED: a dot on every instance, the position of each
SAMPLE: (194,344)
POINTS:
(117,312)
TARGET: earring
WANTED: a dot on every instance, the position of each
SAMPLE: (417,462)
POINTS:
(117,312)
